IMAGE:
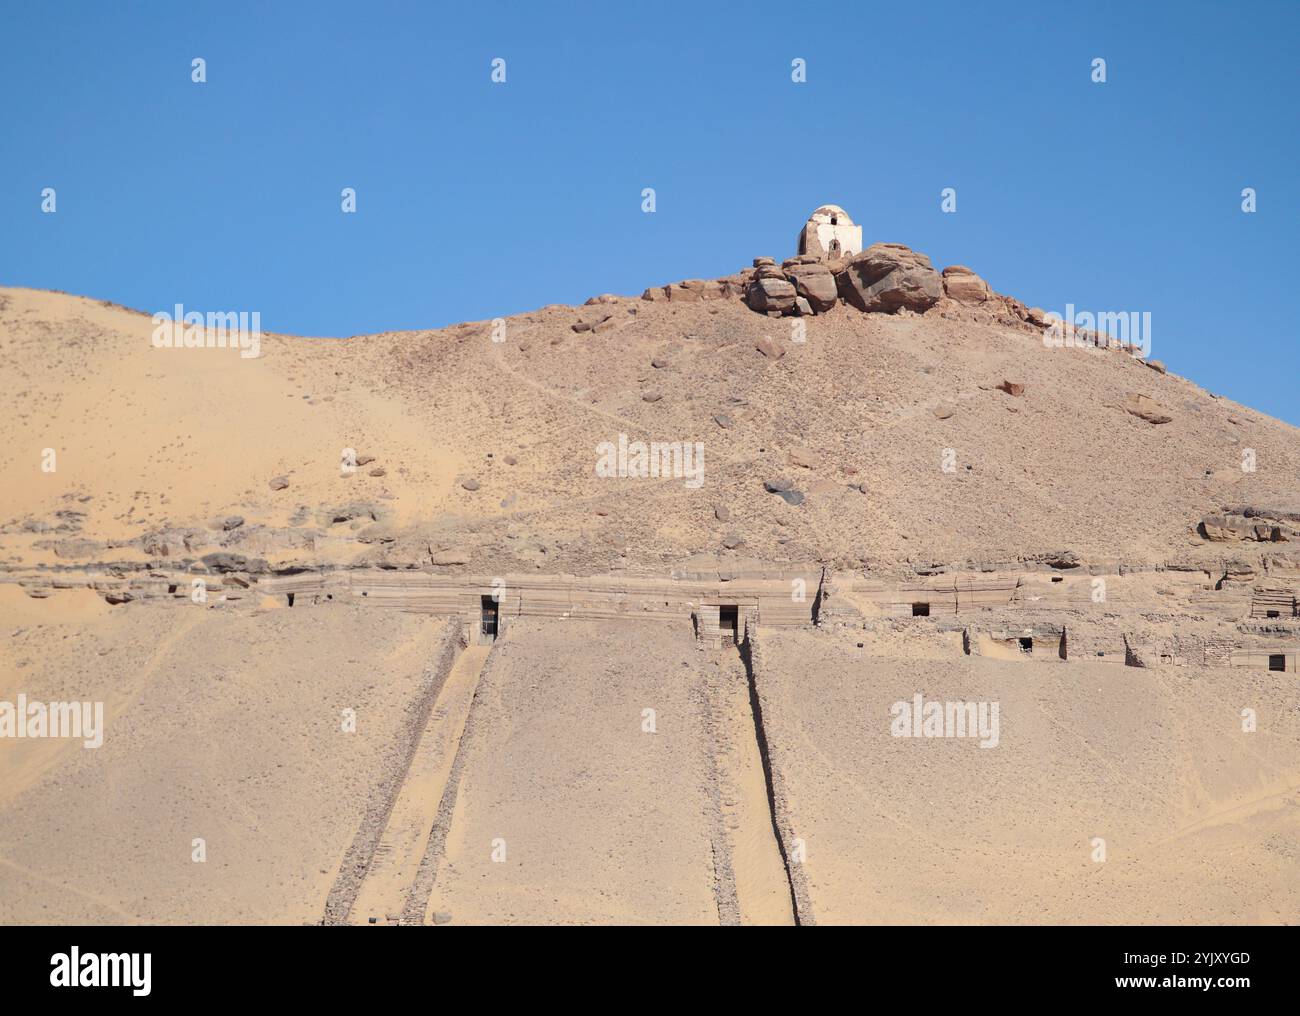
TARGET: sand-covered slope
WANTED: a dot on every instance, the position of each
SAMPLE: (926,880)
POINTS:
(1200,819)
(219,726)
(574,804)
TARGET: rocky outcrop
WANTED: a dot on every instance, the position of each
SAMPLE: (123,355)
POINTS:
(889,277)
(1245,522)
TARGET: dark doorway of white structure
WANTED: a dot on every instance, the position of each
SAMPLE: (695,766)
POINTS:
(1277,661)
(489,625)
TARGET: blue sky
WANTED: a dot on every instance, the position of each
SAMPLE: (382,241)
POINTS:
(477,199)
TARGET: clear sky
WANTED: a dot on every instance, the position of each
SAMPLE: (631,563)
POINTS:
(477,199)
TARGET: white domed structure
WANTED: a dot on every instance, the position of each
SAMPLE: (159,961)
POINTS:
(830,233)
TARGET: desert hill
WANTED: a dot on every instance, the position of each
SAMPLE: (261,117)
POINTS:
(161,446)
(599,696)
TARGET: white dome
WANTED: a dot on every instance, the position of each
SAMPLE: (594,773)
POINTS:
(828,212)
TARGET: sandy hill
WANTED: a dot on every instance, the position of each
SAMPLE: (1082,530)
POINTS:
(905,491)
(862,417)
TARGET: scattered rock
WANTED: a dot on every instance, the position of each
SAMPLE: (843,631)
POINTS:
(350,512)
(723,420)
(777,484)
(1156,365)
(1012,388)
(470,484)
(722,513)
(379,471)
(944,411)
(770,348)
(651,396)
(279,482)
(510,460)
(732,540)
(581,326)
(1146,409)
(232,522)
(804,457)
(790,496)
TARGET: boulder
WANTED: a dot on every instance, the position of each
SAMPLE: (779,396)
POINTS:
(816,284)
(963,285)
(770,348)
(889,277)
(1145,408)
(770,294)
